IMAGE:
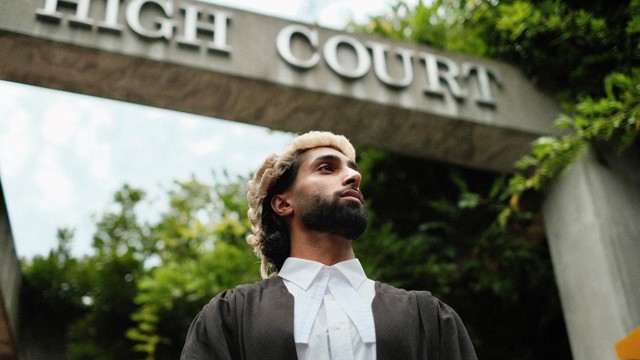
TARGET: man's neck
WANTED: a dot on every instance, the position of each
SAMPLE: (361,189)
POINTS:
(324,248)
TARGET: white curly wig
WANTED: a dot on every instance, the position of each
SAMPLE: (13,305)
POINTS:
(271,169)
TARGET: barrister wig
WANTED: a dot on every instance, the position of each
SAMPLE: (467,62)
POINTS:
(264,183)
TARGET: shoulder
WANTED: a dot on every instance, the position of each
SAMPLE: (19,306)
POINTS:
(430,307)
(391,298)
(248,290)
(386,289)
(447,336)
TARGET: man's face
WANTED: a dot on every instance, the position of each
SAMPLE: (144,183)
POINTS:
(325,194)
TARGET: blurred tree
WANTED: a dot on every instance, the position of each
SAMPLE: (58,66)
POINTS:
(51,299)
(136,294)
(433,228)
(113,269)
(202,252)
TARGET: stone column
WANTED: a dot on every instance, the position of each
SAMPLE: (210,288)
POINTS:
(592,216)
(10,282)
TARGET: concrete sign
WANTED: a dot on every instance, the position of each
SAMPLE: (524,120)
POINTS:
(206,59)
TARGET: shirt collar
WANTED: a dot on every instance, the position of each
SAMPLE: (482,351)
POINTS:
(302,272)
(353,271)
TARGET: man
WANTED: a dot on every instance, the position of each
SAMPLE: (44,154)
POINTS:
(306,208)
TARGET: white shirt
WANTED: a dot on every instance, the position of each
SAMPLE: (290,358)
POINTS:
(333,318)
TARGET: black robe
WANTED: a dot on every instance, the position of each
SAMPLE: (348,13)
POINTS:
(256,322)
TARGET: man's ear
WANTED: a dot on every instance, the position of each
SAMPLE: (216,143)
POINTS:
(281,205)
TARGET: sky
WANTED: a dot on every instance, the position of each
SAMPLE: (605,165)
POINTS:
(63,155)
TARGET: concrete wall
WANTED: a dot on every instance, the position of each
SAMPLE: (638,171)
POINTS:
(592,217)
(10,281)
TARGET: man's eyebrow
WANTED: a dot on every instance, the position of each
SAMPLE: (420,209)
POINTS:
(336,158)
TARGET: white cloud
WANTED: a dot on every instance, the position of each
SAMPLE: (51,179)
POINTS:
(287,9)
(362,9)
(16,142)
(327,13)
(205,147)
(335,15)
(95,152)
(53,182)
(189,122)
(60,123)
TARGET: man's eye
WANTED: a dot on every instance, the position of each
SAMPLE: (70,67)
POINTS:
(325,168)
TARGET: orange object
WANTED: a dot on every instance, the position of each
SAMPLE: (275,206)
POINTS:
(629,347)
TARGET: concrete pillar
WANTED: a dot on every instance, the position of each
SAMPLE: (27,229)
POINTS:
(592,216)
(10,282)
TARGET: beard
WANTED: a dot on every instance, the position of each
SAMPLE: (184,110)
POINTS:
(331,217)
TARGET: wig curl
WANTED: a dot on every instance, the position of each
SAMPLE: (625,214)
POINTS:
(270,171)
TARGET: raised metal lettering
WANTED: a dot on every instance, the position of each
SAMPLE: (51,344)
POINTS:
(362,59)
(484,76)
(441,69)
(81,18)
(297,44)
(283,45)
(218,28)
(378,51)
(110,22)
(49,12)
(165,25)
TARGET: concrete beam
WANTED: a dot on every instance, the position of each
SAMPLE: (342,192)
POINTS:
(458,109)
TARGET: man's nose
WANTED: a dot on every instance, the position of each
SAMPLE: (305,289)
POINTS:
(353,178)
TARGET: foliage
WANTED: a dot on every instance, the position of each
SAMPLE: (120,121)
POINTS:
(52,294)
(569,47)
(613,117)
(438,222)
(213,257)
(136,294)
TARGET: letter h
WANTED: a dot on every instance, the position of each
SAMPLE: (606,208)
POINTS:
(81,18)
